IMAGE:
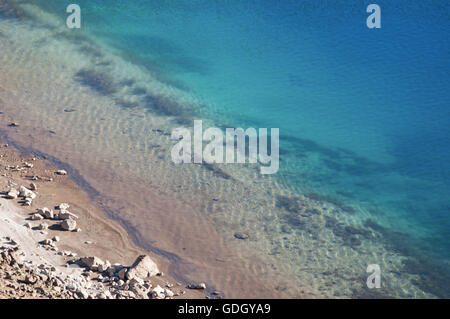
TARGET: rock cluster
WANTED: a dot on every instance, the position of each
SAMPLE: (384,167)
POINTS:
(68,219)
(63,214)
(112,280)
(20,278)
(27,195)
(129,282)
(23,279)
(100,280)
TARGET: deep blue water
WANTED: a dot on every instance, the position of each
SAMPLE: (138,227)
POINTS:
(364,115)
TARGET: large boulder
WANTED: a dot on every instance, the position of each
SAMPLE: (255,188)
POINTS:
(142,268)
(65,214)
(158,293)
(69,224)
(91,262)
(12,194)
(138,289)
(26,193)
(37,217)
(46,213)
(122,273)
(104,267)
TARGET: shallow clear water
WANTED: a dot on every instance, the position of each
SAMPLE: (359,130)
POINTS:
(364,115)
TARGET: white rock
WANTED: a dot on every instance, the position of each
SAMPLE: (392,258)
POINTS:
(65,214)
(26,193)
(43,226)
(27,202)
(46,213)
(139,290)
(83,294)
(12,194)
(122,273)
(104,266)
(68,224)
(37,217)
(158,293)
(63,206)
(142,268)
(91,262)
(47,242)
(126,294)
(136,281)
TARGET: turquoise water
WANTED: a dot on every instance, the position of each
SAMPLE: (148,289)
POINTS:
(364,115)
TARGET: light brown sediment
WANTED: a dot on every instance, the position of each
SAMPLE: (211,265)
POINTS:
(99,236)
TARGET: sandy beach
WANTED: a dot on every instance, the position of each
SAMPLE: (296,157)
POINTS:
(37,252)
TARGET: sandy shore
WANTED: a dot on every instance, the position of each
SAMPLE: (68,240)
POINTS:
(96,235)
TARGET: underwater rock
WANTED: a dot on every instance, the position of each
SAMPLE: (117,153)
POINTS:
(242,236)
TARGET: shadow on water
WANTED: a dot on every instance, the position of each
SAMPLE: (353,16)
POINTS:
(165,106)
(100,82)
(11,10)
(103,83)
(351,236)
(126,104)
(217,171)
(162,65)
(433,274)
(331,200)
(337,159)
(366,293)
(139,91)
(168,53)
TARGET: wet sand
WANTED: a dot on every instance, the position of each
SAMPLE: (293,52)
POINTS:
(99,236)
(178,236)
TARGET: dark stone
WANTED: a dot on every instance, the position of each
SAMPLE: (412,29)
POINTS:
(242,236)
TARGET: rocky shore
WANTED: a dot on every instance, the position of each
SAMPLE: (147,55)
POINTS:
(47,250)
(21,278)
